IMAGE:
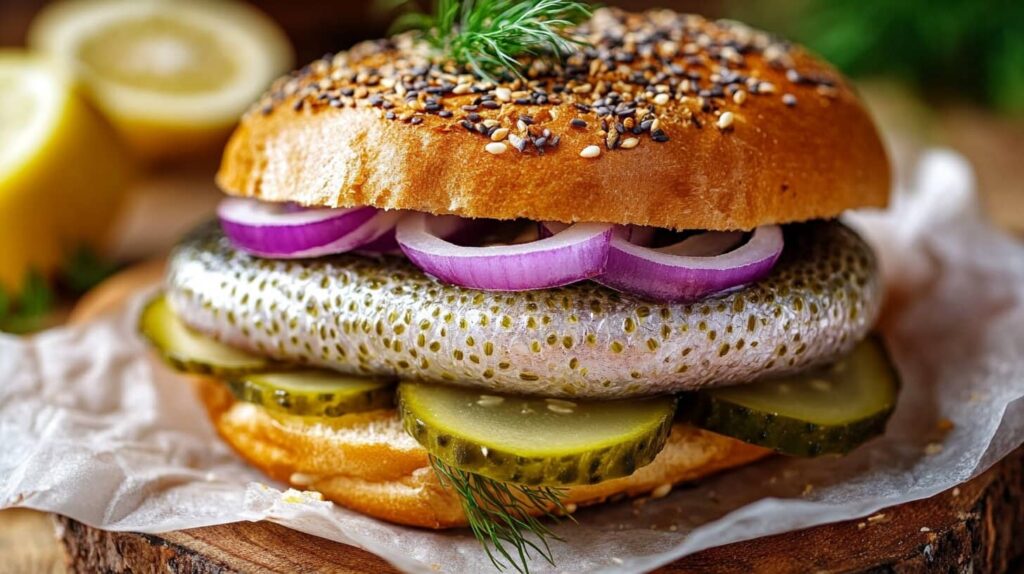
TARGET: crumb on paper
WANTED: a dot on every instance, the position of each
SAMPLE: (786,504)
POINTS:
(862,525)
(808,488)
(292,496)
(933,448)
(945,425)
(617,560)
(925,529)
(956,491)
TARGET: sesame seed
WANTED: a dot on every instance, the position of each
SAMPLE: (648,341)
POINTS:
(739,97)
(503,94)
(629,143)
(661,99)
(591,151)
(578,123)
(499,134)
(725,121)
(662,491)
(789,100)
(517,142)
(496,148)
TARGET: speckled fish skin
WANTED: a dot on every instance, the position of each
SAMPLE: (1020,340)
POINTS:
(383,316)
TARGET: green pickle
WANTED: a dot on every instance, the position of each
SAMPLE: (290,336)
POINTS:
(314,393)
(535,441)
(828,410)
(189,351)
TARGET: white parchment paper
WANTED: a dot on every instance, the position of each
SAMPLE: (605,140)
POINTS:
(93,428)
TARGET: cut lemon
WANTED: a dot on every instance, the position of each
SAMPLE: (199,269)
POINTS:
(62,171)
(173,75)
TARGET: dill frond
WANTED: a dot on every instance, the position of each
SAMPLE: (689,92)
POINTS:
(489,36)
(499,514)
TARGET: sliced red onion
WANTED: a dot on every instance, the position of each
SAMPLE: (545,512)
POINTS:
(448,227)
(576,253)
(280,231)
(691,269)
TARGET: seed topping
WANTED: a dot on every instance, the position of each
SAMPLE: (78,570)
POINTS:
(636,76)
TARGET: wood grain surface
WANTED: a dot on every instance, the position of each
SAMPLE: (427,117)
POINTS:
(972,528)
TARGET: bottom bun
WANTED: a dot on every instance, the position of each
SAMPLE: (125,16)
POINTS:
(367,462)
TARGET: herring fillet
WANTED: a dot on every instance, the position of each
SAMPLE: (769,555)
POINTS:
(360,314)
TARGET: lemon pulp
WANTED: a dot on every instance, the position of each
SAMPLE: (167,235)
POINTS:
(63,173)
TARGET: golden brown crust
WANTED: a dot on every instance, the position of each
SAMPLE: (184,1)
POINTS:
(369,464)
(799,144)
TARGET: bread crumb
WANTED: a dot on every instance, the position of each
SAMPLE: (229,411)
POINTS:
(662,491)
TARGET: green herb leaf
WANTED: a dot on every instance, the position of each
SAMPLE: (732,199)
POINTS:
(499,514)
(84,269)
(489,36)
(26,312)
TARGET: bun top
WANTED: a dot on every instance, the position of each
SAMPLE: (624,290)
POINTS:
(665,119)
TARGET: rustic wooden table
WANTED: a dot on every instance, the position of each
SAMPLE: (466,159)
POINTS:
(972,528)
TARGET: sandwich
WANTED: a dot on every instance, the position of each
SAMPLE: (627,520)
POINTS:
(452,286)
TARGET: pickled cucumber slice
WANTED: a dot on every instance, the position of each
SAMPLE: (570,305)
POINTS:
(535,441)
(189,351)
(829,410)
(314,393)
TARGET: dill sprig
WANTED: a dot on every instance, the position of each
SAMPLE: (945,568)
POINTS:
(499,513)
(488,36)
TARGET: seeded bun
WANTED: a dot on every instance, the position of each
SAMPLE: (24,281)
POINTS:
(731,129)
(369,464)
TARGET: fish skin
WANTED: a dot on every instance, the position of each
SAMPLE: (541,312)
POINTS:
(360,314)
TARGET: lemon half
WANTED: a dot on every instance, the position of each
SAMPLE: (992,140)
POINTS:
(173,75)
(63,172)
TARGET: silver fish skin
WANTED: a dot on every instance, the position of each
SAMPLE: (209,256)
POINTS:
(358,314)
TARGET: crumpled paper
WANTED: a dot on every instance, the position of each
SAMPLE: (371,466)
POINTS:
(94,428)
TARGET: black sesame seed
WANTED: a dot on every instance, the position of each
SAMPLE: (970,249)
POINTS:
(659,136)
(490,104)
(578,123)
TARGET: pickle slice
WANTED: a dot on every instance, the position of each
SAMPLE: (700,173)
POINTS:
(829,410)
(314,393)
(535,441)
(189,351)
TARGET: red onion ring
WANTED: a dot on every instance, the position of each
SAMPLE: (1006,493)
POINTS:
(280,231)
(690,269)
(448,227)
(579,252)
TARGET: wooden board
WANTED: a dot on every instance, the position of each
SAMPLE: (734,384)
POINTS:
(971,528)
